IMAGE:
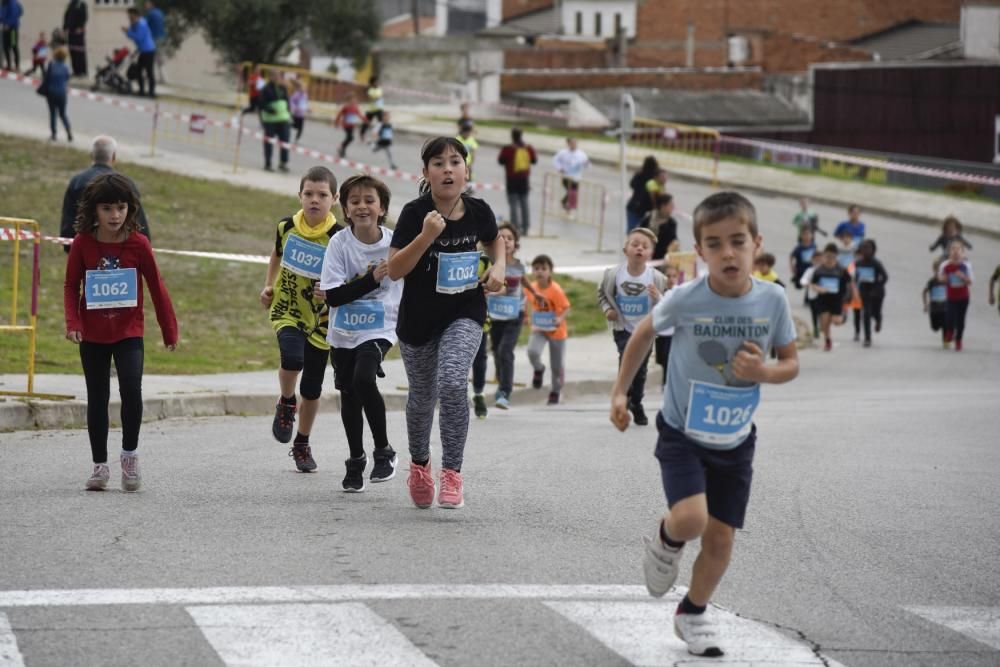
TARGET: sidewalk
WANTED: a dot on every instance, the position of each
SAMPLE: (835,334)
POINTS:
(591,363)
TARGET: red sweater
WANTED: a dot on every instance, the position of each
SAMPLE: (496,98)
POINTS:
(114,324)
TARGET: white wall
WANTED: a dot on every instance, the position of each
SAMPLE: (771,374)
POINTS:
(589,10)
(981,31)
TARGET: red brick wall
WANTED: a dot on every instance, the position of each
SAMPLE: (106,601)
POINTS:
(513,8)
(785,53)
(694,81)
(555,58)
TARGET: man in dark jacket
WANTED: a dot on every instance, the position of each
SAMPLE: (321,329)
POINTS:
(75,26)
(103,154)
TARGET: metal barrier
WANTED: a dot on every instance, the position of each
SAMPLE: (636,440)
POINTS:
(17,234)
(197,124)
(580,202)
(676,145)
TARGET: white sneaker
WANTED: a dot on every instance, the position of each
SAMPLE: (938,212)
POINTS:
(131,479)
(660,565)
(99,478)
(700,632)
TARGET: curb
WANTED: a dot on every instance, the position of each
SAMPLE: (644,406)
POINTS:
(28,415)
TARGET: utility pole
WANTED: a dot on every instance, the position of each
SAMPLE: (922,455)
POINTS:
(415,13)
(626,115)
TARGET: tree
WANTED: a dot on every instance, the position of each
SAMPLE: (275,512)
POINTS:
(259,30)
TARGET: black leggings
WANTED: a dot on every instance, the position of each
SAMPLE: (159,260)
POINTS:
(10,48)
(955,318)
(348,138)
(298,354)
(872,305)
(354,376)
(637,390)
(96,361)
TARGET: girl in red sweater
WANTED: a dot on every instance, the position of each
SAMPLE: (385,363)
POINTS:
(102,297)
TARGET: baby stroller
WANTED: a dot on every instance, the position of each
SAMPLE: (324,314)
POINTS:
(111,76)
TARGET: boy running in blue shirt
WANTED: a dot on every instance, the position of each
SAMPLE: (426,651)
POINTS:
(725,323)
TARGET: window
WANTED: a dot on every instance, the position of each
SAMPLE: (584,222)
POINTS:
(579,23)
(597,24)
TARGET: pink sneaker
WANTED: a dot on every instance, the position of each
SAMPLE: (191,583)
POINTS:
(421,485)
(450,496)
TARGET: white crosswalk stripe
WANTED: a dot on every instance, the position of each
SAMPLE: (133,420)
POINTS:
(304,635)
(979,623)
(10,656)
(642,633)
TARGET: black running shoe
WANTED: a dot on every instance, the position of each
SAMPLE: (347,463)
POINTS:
(638,414)
(354,480)
(553,398)
(384,468)
(301,452)
(536,379)
(284,421)
(479,405)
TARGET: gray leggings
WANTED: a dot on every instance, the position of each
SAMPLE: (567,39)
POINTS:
(440,369)
(557,355)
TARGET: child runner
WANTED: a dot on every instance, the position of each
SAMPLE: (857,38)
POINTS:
(465,135)
(298,317)
(656,186)
(833,288)
(935,298)
(347,118)
(870,278)
(801,257)
(810,295)
(763,268)
(994,280)
(853,224)
(951,230)
(665,337)
(506,312)
(626,294)
(957,274)
(725,324)
(807,219)
(39,54)
(364,303)
(384,140)
(442,311)
(298,104)
(661,221)
(106,321)
(549,310)
(376,106)
(846,255)
(479,363)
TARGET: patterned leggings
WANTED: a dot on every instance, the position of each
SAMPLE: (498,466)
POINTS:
(440,369)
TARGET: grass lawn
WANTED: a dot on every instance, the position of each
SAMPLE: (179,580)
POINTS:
(223,327)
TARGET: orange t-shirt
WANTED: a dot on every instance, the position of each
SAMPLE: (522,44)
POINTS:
(555,301)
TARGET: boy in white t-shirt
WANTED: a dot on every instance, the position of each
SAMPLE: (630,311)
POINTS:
(627,294)
(364,304)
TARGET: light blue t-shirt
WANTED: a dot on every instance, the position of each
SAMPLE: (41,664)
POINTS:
(709,330)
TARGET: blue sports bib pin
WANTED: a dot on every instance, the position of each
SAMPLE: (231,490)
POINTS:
(303,258)
(457,272)
(364,315)
(115,288)
(830,284)
(955,280)
(719,415)
(807,254)
(633,307)
(866,274)
(503,307)
(939,293)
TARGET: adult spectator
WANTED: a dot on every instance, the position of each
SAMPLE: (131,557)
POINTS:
(103,153)
(640,203)
(10,19)
(570,163)
(158,29)
(55,88)
(276,118)
(138,31)
(517,158)
(75,27)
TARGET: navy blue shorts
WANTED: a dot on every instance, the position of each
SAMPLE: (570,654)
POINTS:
(688,469)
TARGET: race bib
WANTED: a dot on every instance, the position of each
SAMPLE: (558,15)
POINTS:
(633,307)
(303,258)
(955,281)
(503,307)
(831,284)
(807,254)
(544,320)
(845,258)
(719,415)
(457,272)
(115,288)
(352,119)
(363,315)
(939,293)
(865,274)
